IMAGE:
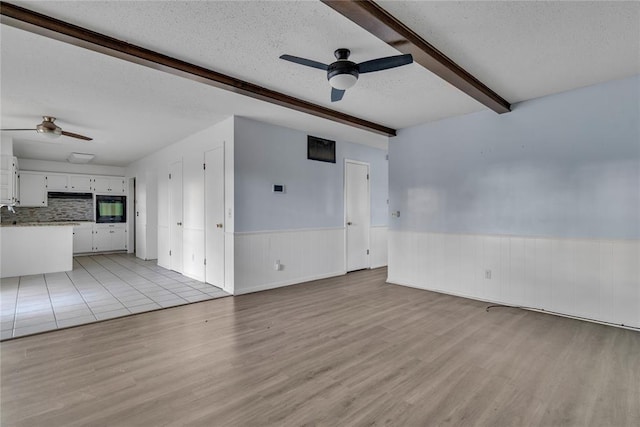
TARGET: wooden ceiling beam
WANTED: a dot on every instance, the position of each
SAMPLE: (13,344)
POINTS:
(386,27)
(56,29)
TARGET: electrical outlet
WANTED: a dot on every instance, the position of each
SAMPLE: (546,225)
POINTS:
(487,274)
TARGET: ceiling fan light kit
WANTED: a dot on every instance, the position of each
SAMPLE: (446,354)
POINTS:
(343,74)
(343,81)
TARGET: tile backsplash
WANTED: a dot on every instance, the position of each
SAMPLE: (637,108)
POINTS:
(57,210)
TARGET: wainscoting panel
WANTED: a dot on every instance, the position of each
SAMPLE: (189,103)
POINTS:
(193,253)
(594,279)
(163,247)
(303,254)
(378,244)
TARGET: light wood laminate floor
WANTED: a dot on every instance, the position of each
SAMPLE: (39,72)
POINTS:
(344,351)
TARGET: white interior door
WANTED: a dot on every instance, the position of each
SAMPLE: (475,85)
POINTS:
(140,213)
(175,216)
(214,216)
(357,214)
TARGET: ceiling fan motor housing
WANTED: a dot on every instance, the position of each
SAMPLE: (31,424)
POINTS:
(343,74)
(49,128)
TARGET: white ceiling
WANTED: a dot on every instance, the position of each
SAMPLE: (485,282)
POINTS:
(528,49)
(522,50)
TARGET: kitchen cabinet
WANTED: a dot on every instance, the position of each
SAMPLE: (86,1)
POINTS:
(109,237)
(80,183)
(8,180)
(109,185)
(83,238)
(33,191)
(57,182)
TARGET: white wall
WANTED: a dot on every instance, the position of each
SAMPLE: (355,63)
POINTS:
(304,227)
(547,197)
(66,167)
(152,179)
(6,145)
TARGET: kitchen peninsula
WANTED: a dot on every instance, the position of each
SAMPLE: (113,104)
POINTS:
(36,248)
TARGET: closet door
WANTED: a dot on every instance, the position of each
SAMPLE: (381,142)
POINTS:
(214,216)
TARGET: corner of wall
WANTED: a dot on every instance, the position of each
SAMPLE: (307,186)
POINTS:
(6,145)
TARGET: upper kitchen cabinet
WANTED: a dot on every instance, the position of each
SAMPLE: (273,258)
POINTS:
(80,183)
(109,185)
(8,180)
(57,182)
(33,191)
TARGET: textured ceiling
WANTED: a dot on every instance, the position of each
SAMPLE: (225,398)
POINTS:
(528,49)
(522,50)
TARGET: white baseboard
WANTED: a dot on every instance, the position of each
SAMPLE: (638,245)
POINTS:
(282,284)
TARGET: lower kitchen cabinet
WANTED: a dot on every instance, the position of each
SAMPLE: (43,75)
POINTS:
(91,237)
(83,238)
(109,237)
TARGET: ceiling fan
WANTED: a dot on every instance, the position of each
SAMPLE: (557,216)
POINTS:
(50,129)
(343,73)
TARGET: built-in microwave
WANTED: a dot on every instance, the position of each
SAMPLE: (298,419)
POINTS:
(111,209)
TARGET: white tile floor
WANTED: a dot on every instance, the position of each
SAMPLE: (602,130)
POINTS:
(99,287)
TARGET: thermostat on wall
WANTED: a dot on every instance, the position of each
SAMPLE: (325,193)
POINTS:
(278,188)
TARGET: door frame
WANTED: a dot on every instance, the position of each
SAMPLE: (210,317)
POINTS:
(344,220)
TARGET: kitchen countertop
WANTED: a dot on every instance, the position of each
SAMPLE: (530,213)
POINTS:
(41,224)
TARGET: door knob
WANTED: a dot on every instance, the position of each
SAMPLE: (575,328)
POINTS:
(218,225)
(178,223)
(349,223)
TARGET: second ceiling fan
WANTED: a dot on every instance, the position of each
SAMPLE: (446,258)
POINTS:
(52,130)
(343,74)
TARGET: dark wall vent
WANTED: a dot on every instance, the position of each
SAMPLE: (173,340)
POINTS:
(320,149)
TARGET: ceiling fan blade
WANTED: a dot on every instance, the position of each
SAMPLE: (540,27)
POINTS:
(14,129)
(385,63)
(336,94)
(75,135)
(303,61)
